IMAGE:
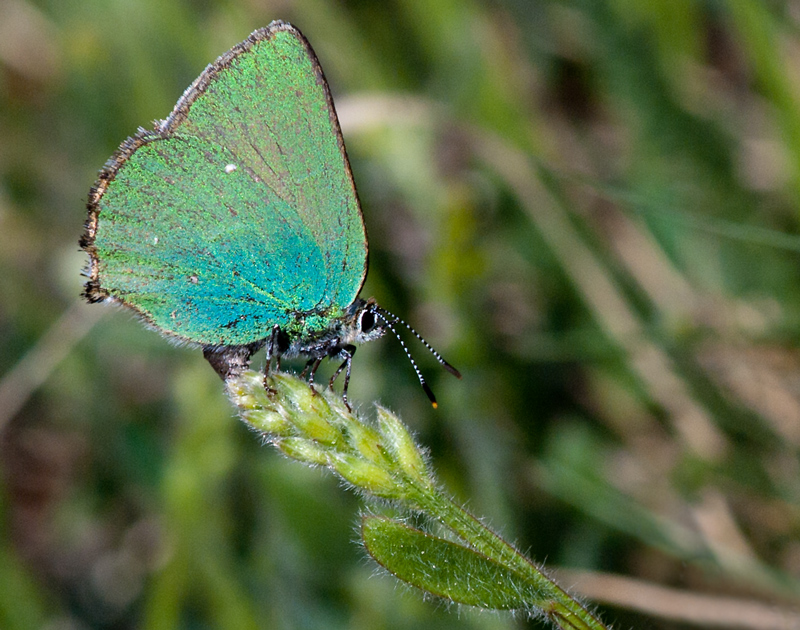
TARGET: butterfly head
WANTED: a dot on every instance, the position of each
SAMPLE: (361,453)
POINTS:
(362,323)
(368,321)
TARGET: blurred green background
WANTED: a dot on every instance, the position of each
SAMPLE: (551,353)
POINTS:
(590,207)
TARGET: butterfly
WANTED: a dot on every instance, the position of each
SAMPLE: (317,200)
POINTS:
(235,224)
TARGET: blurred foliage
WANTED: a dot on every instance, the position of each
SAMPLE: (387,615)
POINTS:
(589,206)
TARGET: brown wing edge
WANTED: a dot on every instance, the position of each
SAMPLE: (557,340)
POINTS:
(93,291)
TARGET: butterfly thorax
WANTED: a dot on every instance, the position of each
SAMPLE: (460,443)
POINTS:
(357,324)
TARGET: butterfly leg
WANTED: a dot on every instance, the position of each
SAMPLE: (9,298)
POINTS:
(272,351)
(347,352)
(272,348)
(314,370)
(313,364)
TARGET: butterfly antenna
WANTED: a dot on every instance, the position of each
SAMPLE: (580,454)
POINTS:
(439,357)
(425,388)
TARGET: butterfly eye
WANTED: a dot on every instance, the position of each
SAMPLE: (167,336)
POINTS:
(367,321)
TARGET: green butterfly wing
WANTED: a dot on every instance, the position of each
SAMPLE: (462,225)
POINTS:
(239,211)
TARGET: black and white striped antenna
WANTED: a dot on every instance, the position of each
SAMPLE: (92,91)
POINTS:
(385,315)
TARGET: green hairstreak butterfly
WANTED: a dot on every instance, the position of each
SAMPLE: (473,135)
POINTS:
(235,224)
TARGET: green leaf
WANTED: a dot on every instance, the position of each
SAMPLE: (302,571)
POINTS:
(444,568)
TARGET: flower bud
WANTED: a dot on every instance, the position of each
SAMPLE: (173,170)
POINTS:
(365,476)
(303,450)
(365,441)
(305,408)
(398,441)
(266,421)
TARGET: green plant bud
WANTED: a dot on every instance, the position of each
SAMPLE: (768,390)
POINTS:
(267,421)
(398,441)
(246,391)
(365,441)
(366,476)
(307,410)
(303,450)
